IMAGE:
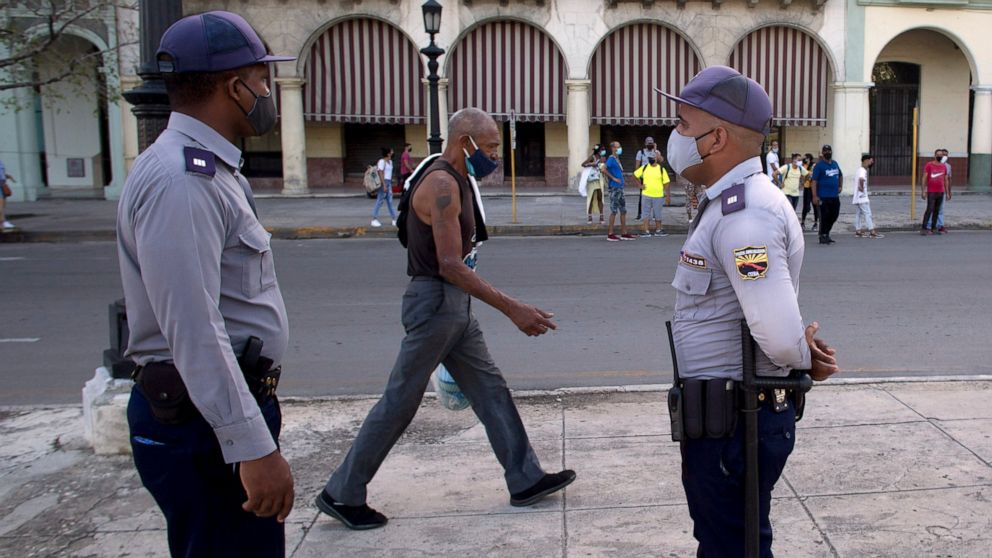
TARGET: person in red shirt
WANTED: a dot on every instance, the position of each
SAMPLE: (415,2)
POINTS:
(406,168)
(932,186)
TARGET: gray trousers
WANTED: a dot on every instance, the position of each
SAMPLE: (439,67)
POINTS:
(439,327)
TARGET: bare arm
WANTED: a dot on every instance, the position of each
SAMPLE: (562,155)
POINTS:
(441,200)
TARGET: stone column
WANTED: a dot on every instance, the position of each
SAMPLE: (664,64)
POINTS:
(980,158)
(293,133)
(851,136)
(577,120)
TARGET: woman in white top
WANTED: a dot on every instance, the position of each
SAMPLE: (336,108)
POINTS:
(860,200)
(385,193)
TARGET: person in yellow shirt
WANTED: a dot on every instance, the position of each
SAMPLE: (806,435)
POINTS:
(653,178)
(792,176)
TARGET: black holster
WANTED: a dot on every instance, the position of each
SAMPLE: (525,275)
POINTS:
(708,408)
(163,387)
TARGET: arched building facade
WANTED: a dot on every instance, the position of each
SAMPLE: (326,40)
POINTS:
(573,74)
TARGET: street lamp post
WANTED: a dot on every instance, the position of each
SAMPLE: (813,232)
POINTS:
(150,102)
(432,24)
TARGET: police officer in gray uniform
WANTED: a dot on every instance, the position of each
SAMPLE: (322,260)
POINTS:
(741,260)
(207,322)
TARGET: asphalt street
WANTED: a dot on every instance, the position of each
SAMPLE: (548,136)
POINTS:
(900,306)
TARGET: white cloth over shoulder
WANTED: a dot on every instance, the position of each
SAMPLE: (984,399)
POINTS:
(583,180)
(471,179)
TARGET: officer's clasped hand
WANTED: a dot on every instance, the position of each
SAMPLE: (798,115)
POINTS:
(823,362)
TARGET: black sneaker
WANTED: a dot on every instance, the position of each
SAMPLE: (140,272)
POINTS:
(830,240)
(358,518)
(814,226)
(551,483)
(823,240)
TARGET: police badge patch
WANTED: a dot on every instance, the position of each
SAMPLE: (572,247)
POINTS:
(751,261)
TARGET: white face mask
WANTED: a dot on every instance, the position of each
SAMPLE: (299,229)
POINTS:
(943,159)
(683,152)
(774,150)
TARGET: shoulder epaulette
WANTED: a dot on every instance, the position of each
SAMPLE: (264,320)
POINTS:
(732,199)
(200,161)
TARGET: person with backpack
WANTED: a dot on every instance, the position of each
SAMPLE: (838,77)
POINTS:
(443,224)
(384,168)
(789,177)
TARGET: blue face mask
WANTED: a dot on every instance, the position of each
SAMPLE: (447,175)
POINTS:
(479,164)
(619,151)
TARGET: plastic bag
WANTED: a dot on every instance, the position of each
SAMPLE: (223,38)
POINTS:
(448,392)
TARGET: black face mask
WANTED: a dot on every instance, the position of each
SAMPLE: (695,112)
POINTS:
(262,116)
(828,155)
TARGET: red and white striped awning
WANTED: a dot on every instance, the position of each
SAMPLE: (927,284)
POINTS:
(508,65)
(364,70)
(629,64)
(792,68)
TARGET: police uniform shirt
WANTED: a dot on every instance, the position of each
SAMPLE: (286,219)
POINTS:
(741,259)
(198,277)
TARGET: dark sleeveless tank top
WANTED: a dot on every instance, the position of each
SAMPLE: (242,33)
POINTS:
(421,250)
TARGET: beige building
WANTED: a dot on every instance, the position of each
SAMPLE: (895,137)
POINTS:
(573,73)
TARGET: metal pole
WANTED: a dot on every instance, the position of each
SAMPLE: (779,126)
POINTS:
(916,138)
(150,101)
(432,52)
(513,165)
(752,509)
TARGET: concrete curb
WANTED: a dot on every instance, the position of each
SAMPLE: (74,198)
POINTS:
(309,233)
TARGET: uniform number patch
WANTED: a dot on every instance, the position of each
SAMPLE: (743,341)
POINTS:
(752,262)
(693,261)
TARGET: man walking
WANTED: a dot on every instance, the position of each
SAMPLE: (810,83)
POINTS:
(827,185)
(207,322)
(741,260)
(441,328)
(933,186)
(5,192)
(861,201)
(406,167)
(791,177)
(613,171)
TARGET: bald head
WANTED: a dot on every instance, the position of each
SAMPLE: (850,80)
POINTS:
(470,129)
(471,122)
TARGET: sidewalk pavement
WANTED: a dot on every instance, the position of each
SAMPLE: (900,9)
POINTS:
(894,468)
(540,212)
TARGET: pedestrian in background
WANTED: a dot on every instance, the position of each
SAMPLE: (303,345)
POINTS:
(653,179)
(861,201)
(790,177)
(406,167)
(594,182)
(947,194)
(772,161)
(208,326)
(5,192)
(385,193)
(808,194)
(613,171)
(932,189)
(828,183)
(641,159)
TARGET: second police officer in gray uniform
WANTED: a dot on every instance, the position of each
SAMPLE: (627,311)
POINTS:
(207,322)
(741,260)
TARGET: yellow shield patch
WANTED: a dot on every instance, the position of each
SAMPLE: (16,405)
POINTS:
(751,261)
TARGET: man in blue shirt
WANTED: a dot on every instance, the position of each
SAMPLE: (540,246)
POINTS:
(613,172)
(828,183)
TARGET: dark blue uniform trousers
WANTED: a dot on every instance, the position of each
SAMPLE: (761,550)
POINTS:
(200,495)
(439,327)
(713,477)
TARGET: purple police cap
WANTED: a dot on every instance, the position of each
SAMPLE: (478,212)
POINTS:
(728,95)
(212,42)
